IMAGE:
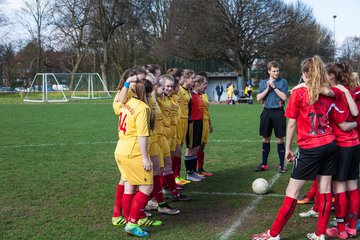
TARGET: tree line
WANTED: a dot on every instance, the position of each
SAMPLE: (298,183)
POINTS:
(109,36)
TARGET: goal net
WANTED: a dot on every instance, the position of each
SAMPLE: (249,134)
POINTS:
(60,87)
(45,87)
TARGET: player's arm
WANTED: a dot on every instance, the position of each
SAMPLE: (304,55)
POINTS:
(352,105)
(143,142)
(210,126)
(290,131)
(347,126)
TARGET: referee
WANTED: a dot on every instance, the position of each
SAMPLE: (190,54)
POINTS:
(273,93)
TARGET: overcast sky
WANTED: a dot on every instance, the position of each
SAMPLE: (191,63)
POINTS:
(347,22)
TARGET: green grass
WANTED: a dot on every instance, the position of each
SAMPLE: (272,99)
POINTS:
(58,175)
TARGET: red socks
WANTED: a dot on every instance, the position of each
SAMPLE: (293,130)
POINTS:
(313,189)
(176,166)
(170,181)
(126,204)
(353,208)
(324,212)
(157,191)
(283,215)
(317,201)
(118,200)
(340,210)
(138,205)
(200,160)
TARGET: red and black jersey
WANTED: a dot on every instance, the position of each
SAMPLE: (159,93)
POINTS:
(356,93)
(348,138)
(196,106)
(313,124)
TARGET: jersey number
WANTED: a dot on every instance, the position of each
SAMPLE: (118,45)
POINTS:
(320,122)
(122,122)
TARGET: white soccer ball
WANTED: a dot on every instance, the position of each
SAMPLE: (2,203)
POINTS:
(260,186)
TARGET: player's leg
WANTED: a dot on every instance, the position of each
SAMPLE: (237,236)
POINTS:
(265,131)
(279,122)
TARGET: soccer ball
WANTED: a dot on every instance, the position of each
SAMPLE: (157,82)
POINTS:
(260,186)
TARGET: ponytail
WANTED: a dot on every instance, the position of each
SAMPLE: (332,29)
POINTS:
(315,69)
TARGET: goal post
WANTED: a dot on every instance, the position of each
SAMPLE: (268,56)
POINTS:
(45,88)
(60,87)
(90,86)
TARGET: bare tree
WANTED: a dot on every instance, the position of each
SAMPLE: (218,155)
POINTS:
(7,64)
(72,19)
(350,51)
(107,17)
(40,12)
(237,32)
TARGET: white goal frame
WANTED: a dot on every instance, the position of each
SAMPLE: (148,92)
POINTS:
(90,90)
(45,90)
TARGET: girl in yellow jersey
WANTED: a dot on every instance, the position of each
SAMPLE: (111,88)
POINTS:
(131,153)
(182,126)
(123,96)
(165,105)
(155,153)
(207,128)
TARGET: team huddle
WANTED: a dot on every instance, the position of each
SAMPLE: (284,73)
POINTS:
(323,111)
(158,114)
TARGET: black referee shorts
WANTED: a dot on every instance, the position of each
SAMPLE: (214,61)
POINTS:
(273,119)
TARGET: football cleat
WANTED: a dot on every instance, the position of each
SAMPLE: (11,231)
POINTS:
(147,221)
(309,213)
(180,198)
(151,205)
(165,208)
(135,230)
(333,232)
(261,168)
(192,177)
(305,200)
(313,236)
(116,221)
(351,232)
(265,236)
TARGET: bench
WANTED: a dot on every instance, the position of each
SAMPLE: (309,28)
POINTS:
(245,100)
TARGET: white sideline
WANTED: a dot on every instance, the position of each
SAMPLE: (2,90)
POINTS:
(105,142)
(243,215)
(235,194)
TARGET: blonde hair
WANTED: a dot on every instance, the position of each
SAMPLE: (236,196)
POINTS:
(315,69)
(142,88)
(355,78)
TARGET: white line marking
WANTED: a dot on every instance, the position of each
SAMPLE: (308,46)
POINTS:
(243,215)
(105,142)
(235,194)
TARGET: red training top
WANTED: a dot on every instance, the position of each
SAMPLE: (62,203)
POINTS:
(196,105)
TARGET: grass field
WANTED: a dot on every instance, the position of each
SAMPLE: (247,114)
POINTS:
(58,176)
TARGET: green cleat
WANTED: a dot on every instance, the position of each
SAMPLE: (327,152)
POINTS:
(117,221)
(149,222)
(135,230)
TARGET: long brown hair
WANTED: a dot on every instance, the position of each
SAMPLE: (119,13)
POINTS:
(343,73)
(129,73)
(142,89)
(315,69)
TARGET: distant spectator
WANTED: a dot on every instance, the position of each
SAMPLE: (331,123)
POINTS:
(230,93)
(219,90)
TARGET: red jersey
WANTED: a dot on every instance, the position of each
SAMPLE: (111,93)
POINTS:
(356,93)
(196,105)
(348,138)
(313,127)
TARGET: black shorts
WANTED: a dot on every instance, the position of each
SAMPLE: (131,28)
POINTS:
(314,161)
(273,118)
(347,163)
(194,133)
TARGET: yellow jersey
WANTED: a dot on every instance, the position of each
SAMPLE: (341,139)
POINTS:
(134,121)
(185,97)
(165,106)
(230,91)
(175,113)
(205,99)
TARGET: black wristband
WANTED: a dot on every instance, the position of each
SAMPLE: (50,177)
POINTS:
(274,88)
